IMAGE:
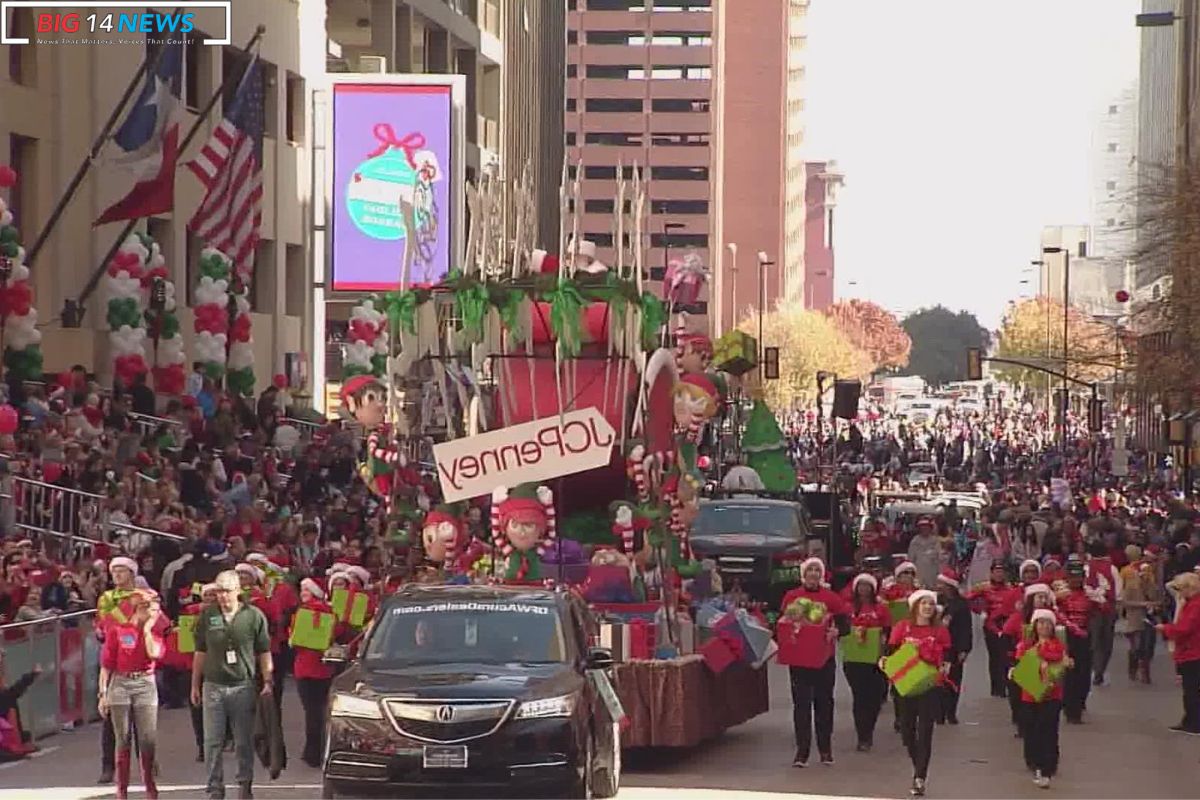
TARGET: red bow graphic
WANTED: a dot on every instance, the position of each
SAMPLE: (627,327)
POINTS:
(386,136)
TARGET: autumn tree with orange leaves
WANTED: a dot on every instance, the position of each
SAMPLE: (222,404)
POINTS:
(872,329)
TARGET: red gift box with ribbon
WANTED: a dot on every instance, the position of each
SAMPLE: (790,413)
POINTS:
(721,651)
(803,645)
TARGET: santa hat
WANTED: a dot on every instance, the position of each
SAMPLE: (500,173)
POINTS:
(251,570)
(810,562)
(123,561)
(313,588)
(919,595)
(527,502)
(359,574)
(949,577)
(905,566)
(864,577)
(1037,588)
(1029,562)
(1043,613)
(543,262)
(623,527)
(208,587)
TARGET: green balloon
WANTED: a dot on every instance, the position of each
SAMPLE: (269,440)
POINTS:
(170,326)
(9,233)
(8,249)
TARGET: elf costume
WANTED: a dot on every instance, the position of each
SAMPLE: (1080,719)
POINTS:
(523,526)
(443,538)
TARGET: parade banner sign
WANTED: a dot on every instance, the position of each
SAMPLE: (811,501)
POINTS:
(394,183)
(534,451)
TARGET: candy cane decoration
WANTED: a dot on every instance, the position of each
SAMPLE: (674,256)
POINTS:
(623,528)
(499,540)
(637,471)
(546,497)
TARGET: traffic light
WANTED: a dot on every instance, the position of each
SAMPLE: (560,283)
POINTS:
(1096,415)
(974,364)
(771,363)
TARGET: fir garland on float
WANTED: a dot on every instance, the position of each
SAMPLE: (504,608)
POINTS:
(211,311)
(126,309)
(18,317)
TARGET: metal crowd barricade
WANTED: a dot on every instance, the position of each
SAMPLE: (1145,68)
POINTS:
(66,649)
(56,510)
(148,424)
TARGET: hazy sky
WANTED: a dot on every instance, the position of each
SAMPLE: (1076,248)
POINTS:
(962,127)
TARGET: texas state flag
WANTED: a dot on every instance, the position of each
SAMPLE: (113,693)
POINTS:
(146,146)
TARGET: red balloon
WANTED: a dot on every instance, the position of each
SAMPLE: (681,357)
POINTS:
(8,176)
(8,420)
(1122,296)
(280,380)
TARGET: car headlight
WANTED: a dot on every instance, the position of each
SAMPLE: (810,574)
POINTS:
(347,705)
(549,707)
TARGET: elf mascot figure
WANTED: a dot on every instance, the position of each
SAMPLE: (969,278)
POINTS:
(523,529)
(443,539)
(365,399)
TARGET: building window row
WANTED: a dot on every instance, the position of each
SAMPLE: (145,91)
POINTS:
(627,105)
(639,38)
(656,173)
(680,139)
(626,72)
(640,5)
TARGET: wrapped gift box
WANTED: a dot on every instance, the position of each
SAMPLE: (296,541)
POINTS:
(801,645)
(1035,676)
(862,649)
(908,673)
(720,652)
(736,353)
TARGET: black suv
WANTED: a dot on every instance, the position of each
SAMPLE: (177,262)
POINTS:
(478,688)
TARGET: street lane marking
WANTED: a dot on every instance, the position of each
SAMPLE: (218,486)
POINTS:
(45,751)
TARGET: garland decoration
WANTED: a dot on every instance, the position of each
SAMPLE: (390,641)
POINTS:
(18,317)
(126,309)
(211,310)
(367,334)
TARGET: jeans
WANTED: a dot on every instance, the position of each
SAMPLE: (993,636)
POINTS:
(235,706)
(1102,629)
(1041,736)
(868,687)
(812,691)
(136,699)
(916,728)
(1077,683)
(1189,672)
(313,694)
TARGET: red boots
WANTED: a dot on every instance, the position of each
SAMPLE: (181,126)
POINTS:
(122,774)
(148,774)
(147,764)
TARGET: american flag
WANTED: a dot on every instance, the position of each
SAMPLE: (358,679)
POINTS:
(230,167)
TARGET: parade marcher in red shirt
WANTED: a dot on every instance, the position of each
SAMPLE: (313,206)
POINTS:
(994,600)
(1036,596)
(1042,716)
(1103,575)
(918,713)
(868,684)
(313,677)
(128,689)
(812,666)
(1184,632)
(1077,607)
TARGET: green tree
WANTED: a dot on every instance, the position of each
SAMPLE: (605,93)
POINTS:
(940,338)
(766,449)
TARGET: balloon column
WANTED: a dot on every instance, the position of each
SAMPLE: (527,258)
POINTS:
(241,338)
(127,336)
(367,351)
(162,322)
(22,339)
(211,309)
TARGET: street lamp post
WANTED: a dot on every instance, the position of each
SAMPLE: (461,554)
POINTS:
(668,227)
(1066,332)
(733,250)
(763,263)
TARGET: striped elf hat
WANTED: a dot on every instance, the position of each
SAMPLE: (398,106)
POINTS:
(527,503)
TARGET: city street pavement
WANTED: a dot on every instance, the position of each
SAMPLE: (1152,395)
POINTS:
(1124,751)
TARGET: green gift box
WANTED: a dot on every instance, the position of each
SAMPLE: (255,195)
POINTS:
(350,606)
(1035,676)
(736,353)
(312,630)
(898,609)
(187,633)
(864,649)
(908,673)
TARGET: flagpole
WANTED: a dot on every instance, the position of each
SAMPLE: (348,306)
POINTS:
(148,64)
(94,280)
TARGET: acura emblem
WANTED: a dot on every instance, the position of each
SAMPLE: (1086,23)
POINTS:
(445,713)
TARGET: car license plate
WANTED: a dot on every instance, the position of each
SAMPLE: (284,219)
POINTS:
(445,756)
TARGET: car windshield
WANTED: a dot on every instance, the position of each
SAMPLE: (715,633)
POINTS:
(718,518)
(469,631)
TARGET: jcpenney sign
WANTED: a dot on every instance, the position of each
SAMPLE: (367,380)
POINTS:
(533,451)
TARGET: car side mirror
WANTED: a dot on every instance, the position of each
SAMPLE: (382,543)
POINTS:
(335,655)
(600,658)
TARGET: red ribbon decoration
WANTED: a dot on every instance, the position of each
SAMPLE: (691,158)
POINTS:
(385,134)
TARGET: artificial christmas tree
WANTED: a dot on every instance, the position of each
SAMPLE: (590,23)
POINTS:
(766,449)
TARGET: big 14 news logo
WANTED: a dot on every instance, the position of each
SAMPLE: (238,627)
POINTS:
(140,22)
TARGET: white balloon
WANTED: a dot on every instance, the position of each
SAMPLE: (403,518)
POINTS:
(6,216)
(241,355)
(243,305)
(20,272)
